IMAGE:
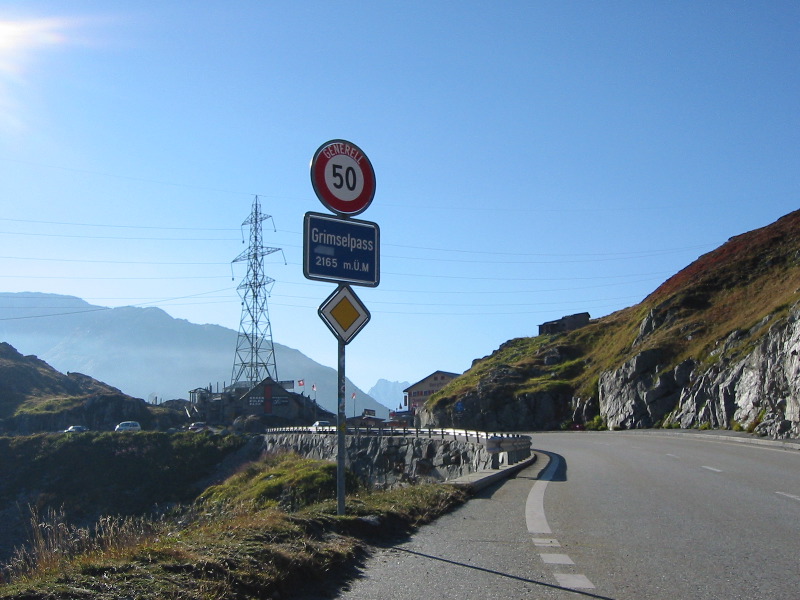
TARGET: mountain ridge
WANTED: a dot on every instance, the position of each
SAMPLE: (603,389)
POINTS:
(146,352)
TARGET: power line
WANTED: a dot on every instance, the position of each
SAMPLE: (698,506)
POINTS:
(120,238)
(86,278)
(94,308)
(591,257)
(114,262)
(642,253)
(111,226)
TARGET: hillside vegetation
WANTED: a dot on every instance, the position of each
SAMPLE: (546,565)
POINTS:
(741,289)
(269,528)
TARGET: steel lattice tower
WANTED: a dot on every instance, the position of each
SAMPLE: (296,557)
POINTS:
(255,352)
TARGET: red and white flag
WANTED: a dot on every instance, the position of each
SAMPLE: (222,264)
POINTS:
(313,387)
(353,396)
(301,382)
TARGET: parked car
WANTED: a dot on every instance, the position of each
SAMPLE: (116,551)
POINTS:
(76,429)
(199,426)
(128,426)
(320,425)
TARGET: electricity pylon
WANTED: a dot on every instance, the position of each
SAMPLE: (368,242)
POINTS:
(255,352)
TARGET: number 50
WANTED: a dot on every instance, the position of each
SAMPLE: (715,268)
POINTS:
(349,179)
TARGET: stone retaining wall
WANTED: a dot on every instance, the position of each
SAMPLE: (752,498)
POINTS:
(389,461)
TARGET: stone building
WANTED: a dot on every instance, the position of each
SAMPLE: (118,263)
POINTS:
(415,395)
(565,324)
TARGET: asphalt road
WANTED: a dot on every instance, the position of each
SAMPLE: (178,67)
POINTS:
(627,516)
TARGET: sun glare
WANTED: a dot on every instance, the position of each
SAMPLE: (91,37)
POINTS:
(19,39)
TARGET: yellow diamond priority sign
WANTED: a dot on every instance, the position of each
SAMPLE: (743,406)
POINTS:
(344,314)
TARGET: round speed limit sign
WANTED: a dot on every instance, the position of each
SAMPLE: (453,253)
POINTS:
(343,177)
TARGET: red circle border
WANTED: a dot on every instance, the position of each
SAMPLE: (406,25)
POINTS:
(350,208)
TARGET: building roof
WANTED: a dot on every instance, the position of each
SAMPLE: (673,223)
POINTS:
(431,375)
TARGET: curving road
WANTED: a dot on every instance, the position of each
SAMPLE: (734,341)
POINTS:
(628,516)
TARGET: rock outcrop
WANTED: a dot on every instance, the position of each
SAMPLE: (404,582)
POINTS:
(753,382)
(501,411)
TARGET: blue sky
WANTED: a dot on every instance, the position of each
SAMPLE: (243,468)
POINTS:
(533,159)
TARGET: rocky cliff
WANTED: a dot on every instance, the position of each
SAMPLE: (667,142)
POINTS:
(759,392)
(716,345)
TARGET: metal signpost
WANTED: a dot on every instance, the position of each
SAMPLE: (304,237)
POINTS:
(345,251)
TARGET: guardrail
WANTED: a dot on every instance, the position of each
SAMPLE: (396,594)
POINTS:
(502,448)
(491,438)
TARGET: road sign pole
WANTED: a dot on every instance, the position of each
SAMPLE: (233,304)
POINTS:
(342,250)
(341,424)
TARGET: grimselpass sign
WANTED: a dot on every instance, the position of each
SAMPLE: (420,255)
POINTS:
(341,250)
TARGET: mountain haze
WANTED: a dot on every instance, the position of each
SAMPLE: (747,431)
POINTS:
(145,352)
(389,393)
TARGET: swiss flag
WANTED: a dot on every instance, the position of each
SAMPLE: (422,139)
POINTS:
(301,382)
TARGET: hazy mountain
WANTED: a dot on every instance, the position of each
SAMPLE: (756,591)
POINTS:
(145,352)
(389,393)
(35,397)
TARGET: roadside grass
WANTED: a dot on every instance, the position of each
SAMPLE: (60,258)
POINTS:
(233,542)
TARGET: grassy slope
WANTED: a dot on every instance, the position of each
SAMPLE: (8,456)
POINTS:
(752,276)
(108,473)
(239,540)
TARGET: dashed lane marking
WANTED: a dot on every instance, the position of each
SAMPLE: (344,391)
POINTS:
(556,559)
(537,524)
(575,581)
(792,496)
(713,469)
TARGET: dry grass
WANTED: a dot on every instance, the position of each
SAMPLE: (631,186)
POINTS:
(231,547)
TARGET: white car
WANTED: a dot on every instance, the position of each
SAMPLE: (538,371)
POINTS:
(320,425)
(128,426)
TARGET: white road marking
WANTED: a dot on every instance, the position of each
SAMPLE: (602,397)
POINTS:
(537,523)
(534,505)
(546,543)
(673,455)
(556,559)
(713,469)
(576,581)
(792,496)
